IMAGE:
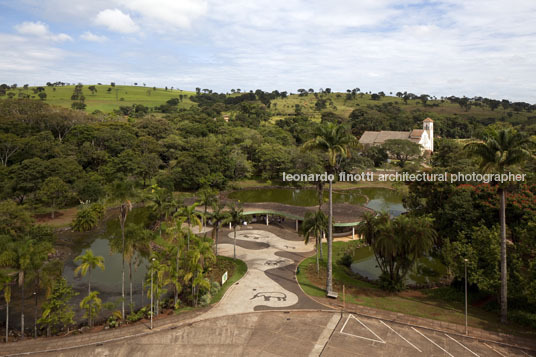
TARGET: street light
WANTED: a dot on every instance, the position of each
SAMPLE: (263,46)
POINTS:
(35,315)
(152,271)
(465,263)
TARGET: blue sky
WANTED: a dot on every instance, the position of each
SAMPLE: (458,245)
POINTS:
(450,47)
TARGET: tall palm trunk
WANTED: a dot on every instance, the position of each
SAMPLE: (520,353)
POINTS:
(123,219)
(89,281)
(22,311)
(504,273)
(130,281)
(176,297)
(7,321)
(234,248)
(329,280)
(318,241)
(216,230)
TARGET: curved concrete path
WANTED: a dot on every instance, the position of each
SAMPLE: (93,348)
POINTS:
(269,282)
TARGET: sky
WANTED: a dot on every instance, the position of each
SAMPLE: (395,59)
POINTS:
(445,47)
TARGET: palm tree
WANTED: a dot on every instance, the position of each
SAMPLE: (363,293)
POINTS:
(160,203)
(92,304)
(162,278)
(136,239)
(397,244)
(501,151)
(88,261)
(5,284)
(207,197)
(198,257)
(314,224)
(123,191)
(217,216)
(335,141)
(192,217)
(176,243)
(23,250)
(236,217)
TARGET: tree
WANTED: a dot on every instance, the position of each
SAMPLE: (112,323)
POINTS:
(402,149)
(335,141)
(236,218)
(122,191)
(56,309)
(206,197)
(92,304)
(88,262)
(192,217)
(9,145)
(377,154)
(314,224)
(86,219)
(42,96)
(5,284)
(397,244)
(217,217)
(55,192)
(502,150)
(93,89)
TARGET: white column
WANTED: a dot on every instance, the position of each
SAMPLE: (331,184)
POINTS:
(353,232)
(230,225)
(266,219)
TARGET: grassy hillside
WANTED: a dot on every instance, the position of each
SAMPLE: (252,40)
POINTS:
(106,101)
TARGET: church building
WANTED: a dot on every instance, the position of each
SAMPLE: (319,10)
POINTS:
(424,137)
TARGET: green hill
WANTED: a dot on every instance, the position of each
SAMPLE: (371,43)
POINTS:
(107,100)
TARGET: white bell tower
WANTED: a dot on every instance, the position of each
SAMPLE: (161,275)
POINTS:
(428,126)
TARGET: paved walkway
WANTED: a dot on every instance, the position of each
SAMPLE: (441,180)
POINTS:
(267,314)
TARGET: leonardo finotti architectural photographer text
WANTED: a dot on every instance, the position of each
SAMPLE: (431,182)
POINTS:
(405,177)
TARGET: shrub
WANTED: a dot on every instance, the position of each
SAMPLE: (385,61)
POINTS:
(345,260)
(86,219)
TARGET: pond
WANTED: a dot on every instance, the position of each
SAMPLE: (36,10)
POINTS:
(107,282)
(427,270)
(379,199)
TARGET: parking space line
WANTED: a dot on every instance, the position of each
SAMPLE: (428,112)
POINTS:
(525,353)
(488,346)
(459,343)
(402,337)
(379,339)
(444,350)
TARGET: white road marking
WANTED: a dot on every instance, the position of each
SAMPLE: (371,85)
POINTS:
(444,350)
(323,339)
(459,343)
(379,339)
(402,337)
(488,346)
(525,353)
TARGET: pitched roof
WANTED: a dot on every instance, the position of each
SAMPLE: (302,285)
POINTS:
(416,133)
(428,120)
(379,137)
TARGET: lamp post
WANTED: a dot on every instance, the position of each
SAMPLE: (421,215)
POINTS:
(465,263)
(35,314)
(152,271)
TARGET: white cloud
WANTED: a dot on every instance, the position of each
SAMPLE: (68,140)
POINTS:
(161,14)
(91,37)
(117,21)
(39,29)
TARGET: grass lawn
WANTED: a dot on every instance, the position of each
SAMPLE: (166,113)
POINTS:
(106,101)
(235,270)
(444,304)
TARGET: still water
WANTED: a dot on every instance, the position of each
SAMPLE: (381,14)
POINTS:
(379,199)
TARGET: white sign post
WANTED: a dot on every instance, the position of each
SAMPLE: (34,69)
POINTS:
(223,278)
